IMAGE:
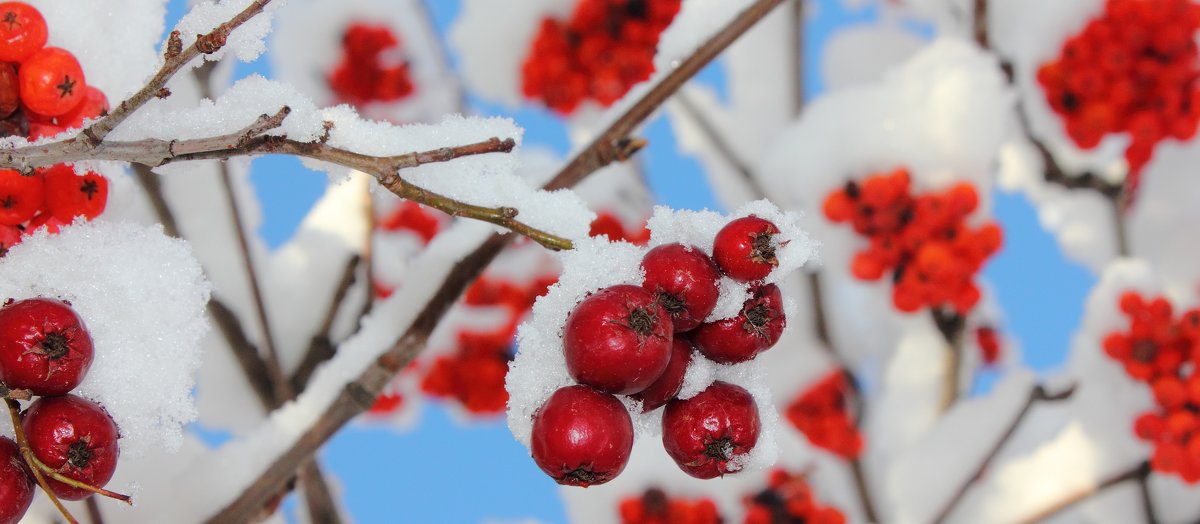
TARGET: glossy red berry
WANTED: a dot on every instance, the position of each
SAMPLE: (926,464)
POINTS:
(685,280)
(668,385)
(77,438)
(16,483)
(44,346)
(22,31)
(94,105)
(581,436)
(618,340)
(745,248)
(69,195)
(20,196)
(52,82)
(709,434)
(755,329)
(10,90)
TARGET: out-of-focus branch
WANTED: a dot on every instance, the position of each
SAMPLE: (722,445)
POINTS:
(1037,394)
(951,325)
(1139,471)
(720,144)
(796,58)
(358,395)
(321,348)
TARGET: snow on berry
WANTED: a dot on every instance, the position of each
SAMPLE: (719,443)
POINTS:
(142,295)
(540,367)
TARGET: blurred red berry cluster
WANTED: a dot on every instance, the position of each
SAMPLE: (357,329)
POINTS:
(988,340)
(654,507)
(788,498)
(473,373)
(1132,70)
(371,68)
(1160,350)
(922,239)
(609,225)
(822,413)
(605,48)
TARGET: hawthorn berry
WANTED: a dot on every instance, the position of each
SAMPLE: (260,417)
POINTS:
(364,74)
(16,483)
(707,435)
(685,280)
(52,82)
(789,498)
(745,248)
(76,438)
(755,329)
(20,196)
(668,385)
(822,414)
(10,90)
(654,507)
(69,195)
(22,31)
(618,340)
(44,346)
(582,436)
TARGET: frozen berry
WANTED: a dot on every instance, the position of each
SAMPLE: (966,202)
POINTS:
(76,438)
(708,434)
(20,196)
(754,330)
(581,436)
(745,248)
(44,346)
(22,31)
(685,280)
(667,385)
(69,195)
(16,484)
(618,340)
(52,82)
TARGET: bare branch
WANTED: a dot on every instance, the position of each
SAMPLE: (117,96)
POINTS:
(1037,394)
(951,325)
(320,348)
(318,499)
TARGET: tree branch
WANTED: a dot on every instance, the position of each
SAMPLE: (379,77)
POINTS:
(358,395)
(1037,394)
(1139,471)
(320,348)
(951,325)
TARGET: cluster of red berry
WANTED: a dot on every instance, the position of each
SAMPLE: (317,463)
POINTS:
(1160,350)
(655,507)
(45,351)
(1132,70)
(370,70)
(599,54)
(788,498)
(822,413)
(610,225)
(42,93)
(638,341)
(988,340)
(923,239)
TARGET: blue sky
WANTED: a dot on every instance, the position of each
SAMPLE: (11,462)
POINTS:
(446,472)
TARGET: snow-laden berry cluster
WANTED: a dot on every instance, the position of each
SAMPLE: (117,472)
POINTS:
(42,93)
(677,325)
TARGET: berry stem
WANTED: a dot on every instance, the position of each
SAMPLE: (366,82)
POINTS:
(14,413)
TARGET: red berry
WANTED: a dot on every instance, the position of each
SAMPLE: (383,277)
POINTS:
(685,281)
(10,89)
(94,105)
(706,434)
(76,438)
(22,31)
(69,195)
(16,483)
(20,196)
(44,346)
(745,248)
(52,82)
(618,340)
(754,330)
(582,437)
(667,385)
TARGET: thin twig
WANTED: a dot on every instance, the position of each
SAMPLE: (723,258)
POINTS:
(980,24)
(1141,470)
(460,94)
(951,325)
(14,416)
(1037,394)
(864,491)
(796,58)
(93,509)
(320,348)
(358,395)
(1147,500)
(718,141)
(318,498)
